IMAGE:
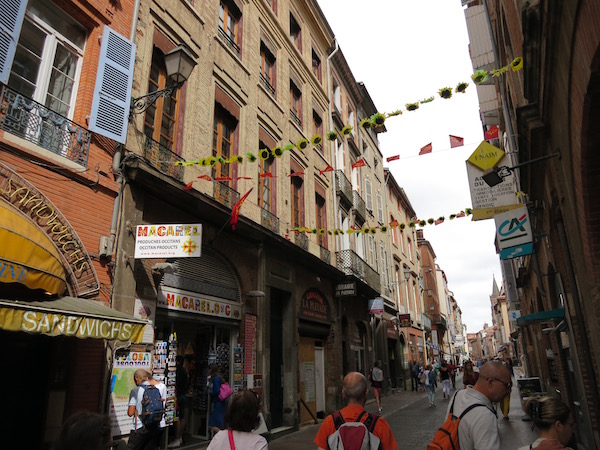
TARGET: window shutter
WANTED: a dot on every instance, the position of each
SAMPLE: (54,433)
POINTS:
(112,92)
(11,19)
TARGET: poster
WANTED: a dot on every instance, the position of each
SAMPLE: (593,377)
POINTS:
(308,369)
(121,384)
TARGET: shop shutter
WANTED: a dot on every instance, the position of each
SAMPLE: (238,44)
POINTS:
(11,19)
(112,92)
(210,275)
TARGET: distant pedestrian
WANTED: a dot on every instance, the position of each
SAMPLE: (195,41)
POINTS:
(469,375)
(85,430)
(377,384)
(554,420)
(414,375)
(452,369)
(445,377)
(216,421)
(430,384)
(141,437)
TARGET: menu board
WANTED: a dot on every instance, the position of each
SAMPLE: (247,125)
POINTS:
(250,344)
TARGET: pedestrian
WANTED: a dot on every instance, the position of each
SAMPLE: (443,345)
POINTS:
(216,421)
(141,437)
(505,403)
(355,391)
(445,377)
(554,421)
(85,430)
(414,375)
(478,429)
(430,384)
(377,384)
(241,418)
(469,375)
(452,369)
(509,363)
(182,384)
(163,394)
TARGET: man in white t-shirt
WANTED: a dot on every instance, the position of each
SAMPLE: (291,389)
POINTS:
(142,438)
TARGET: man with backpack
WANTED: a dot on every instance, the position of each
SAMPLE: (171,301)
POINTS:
(146,406)
(352,428)
(472,422)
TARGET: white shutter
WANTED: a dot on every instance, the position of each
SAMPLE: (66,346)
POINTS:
(368,195)
(112,92)
(379,208)
(11,19)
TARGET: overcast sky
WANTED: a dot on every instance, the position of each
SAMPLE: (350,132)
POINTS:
(405,51)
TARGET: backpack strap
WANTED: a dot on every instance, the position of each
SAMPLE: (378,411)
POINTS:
(370,421)
(467,409)
(338,420)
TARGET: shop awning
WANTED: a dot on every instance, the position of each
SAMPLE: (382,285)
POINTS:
(70,316)
(558,313)
(28,256)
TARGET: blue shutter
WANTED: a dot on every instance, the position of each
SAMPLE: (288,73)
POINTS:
(11,19)
(112,92)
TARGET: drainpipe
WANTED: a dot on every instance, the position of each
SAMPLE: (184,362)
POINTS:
(332,144)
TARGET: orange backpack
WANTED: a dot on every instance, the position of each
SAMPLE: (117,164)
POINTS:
(446,437)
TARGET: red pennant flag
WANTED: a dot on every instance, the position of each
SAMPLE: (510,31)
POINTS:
(266,175)
(296,174)
(359,163)
(394,223)
(437,222)
(427,149)
(392,158)
(188,186)
(491,133)
(326,169)
(223,179)
(243,178)
(235,211)
(456,141)
(205,177)
(460,214)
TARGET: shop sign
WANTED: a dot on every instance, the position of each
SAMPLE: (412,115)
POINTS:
(33,204)
(168,241)
(180,300)
(376,306)
(392,331)
(345,289)
(314,306)
(404,320)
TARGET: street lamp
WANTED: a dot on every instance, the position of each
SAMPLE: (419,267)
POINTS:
(496,175)
(179,64)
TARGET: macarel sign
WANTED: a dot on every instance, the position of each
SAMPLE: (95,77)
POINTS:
(180,300)
(168,241)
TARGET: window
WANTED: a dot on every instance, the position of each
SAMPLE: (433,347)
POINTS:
(379,208)
(394,232)
(223,128)
(297,206)
(295,33)
(48,57)
(350,113)
(267,68)
(317,127)
(410,250)
(160,119)
(229,17)
(367,154)
(273,4)
(265,188)
(295,104)
(384,266)
(368,195)
(372,255)
(337,96)
(321,219)
(316,65)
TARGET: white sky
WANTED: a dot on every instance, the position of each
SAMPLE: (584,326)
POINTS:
(405,51)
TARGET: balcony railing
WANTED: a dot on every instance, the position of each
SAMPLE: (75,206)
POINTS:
(295,118)
(352,264)
(301,240)
(163,159)
(360,208)
(266,84)
(225,195)
(32,121)
(343,187)
(438,319)
(269,220)
(325,255)
(230,42)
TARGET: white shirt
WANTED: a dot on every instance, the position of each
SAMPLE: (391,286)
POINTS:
(242,440)
(377,374)
(136,397)
(478,429)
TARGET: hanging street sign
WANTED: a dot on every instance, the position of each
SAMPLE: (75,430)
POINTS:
(513,233)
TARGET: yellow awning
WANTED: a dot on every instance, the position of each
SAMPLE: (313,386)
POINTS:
(70,316)
(28,256)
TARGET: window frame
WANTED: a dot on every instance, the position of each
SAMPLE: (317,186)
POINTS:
(231,34)
(295,32)
(267,76)
(297,201)
(220,119)
(296,103)
(267,165)
(317,66)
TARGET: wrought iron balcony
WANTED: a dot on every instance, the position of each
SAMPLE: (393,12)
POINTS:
(269,220)
(360,208)
(325,255)
(301,240)
(266,84)
(352,264)
(32,121)
(230,42)
(438,319)
(225,195)
(343,187)
(295,118)
(163,159)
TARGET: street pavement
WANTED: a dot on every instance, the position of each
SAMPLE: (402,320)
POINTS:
(414,422)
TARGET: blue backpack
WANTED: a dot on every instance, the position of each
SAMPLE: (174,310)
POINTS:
(152,407)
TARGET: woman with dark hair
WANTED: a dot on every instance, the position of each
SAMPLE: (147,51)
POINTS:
(554,420)
(241,418)
(216,421)
(470,377)
(85,430)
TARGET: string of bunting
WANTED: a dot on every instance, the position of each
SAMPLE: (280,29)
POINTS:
(376,120)
(383,228)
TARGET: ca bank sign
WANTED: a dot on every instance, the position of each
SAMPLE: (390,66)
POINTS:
(513,233)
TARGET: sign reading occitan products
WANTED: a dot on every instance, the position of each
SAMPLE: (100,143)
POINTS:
(168,241)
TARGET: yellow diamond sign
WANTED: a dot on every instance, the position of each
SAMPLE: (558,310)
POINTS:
(486,156)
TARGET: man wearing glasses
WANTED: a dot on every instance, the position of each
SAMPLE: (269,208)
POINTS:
(478,429)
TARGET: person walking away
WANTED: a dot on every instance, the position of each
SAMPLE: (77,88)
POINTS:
(430,384)
(445,376)
(377,384)
(85,430)
(182,384)
(414,375)
(141,437)
(478,429)
(355,391)
(163,394)
(241,418)
(216,421)
(554,421)
(452,369)
(469,375)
